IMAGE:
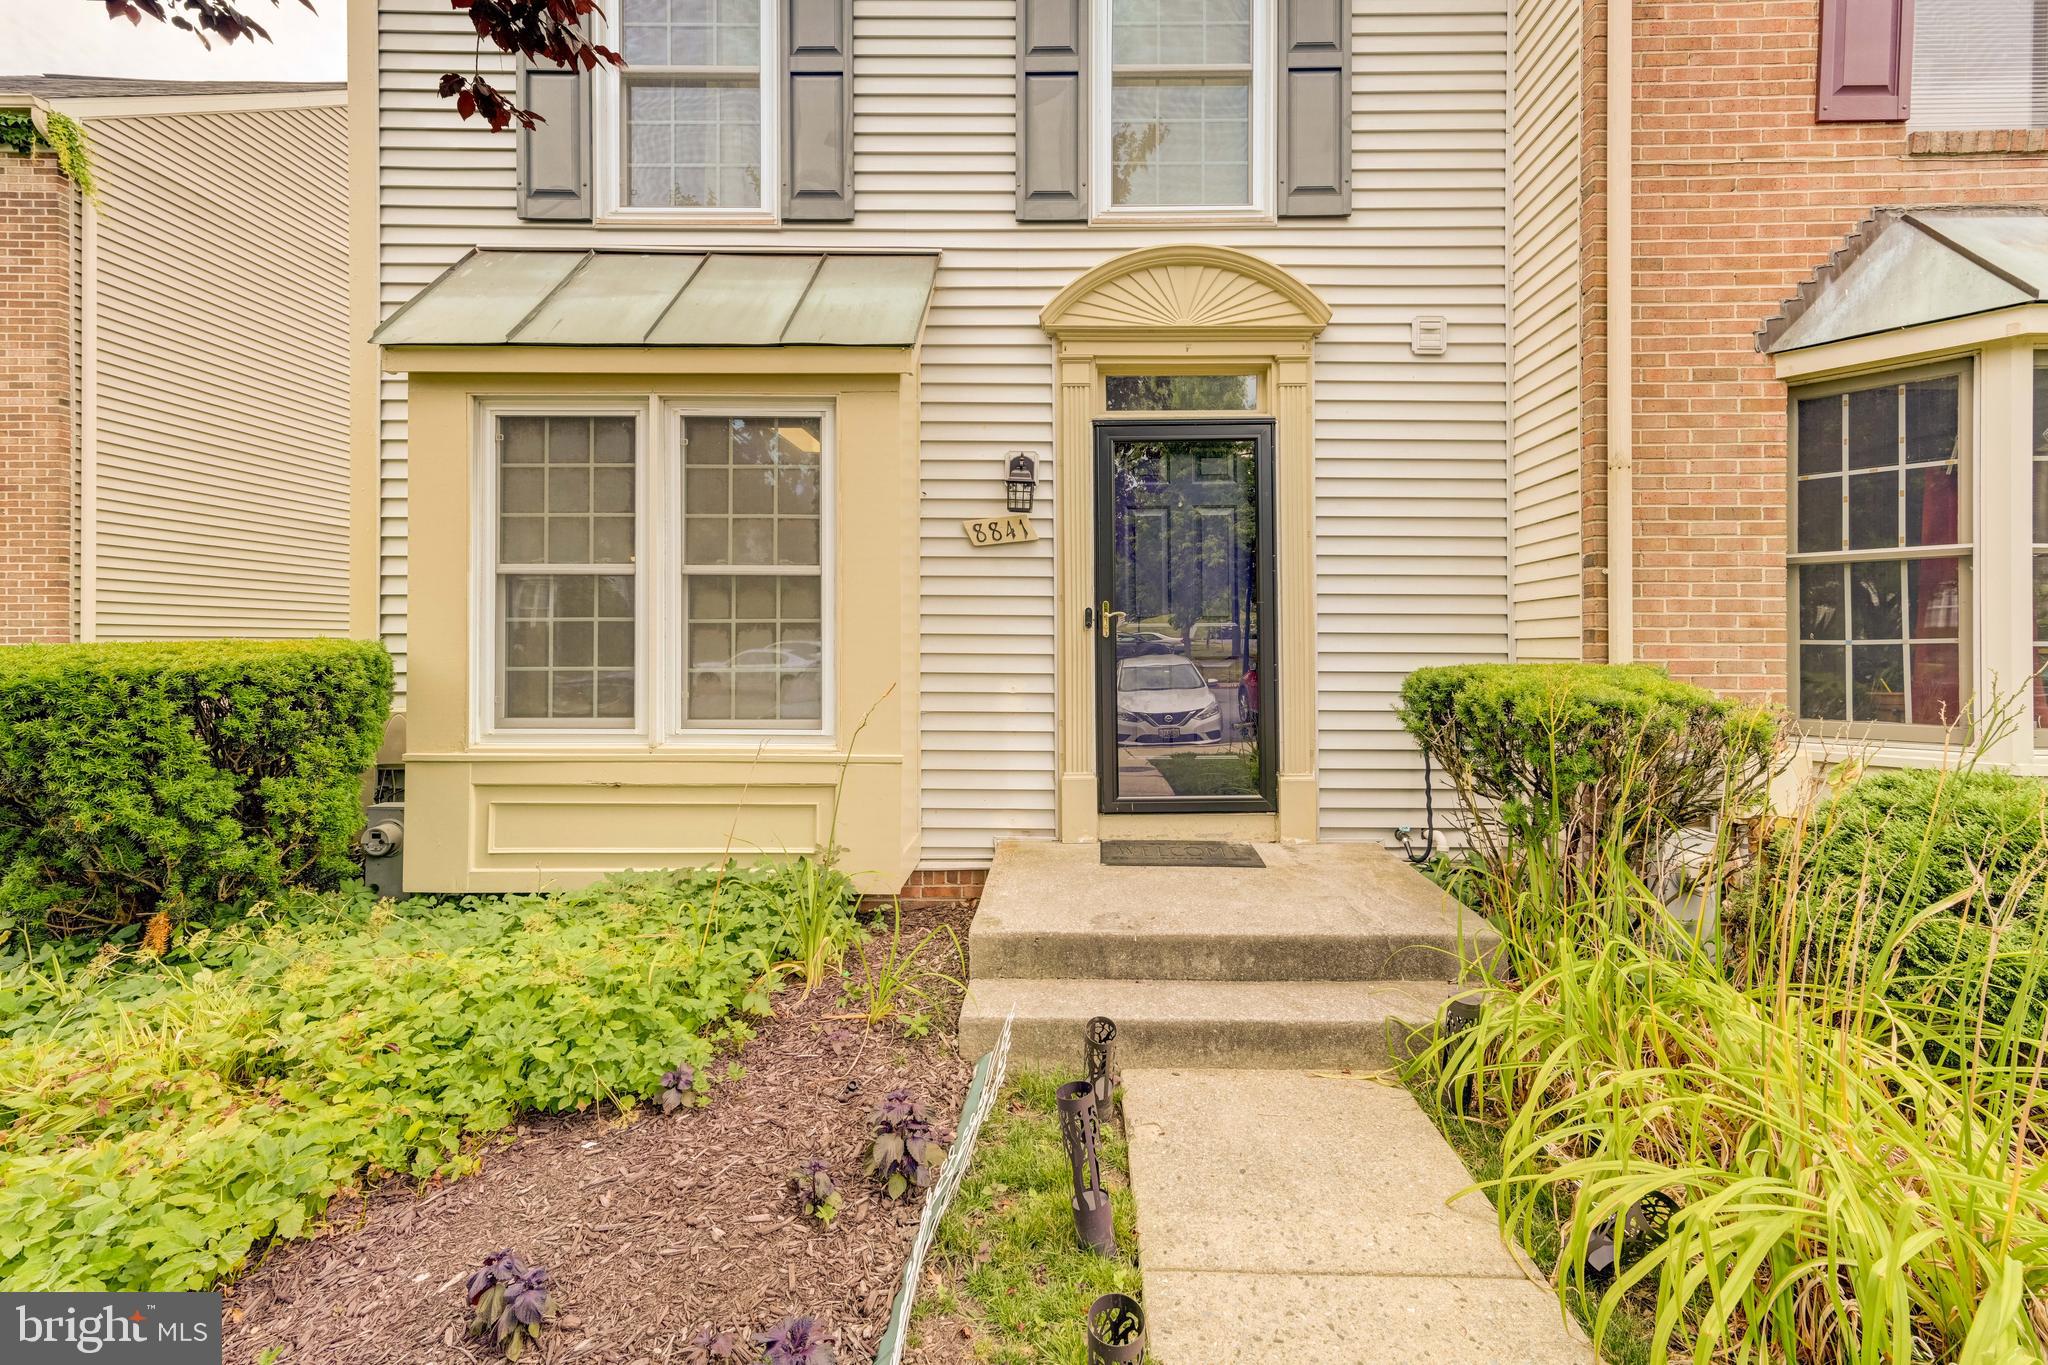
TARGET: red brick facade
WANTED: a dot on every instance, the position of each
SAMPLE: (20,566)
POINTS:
(1739,195)
(38,216)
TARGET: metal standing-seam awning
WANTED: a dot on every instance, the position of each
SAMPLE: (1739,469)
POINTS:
(1910,267)
(651,298)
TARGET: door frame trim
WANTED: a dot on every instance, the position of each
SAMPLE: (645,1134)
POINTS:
(1164,428)
(1185,308)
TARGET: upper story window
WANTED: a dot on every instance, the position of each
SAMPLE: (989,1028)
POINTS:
(1183,99)
(695,105)
(1980,64)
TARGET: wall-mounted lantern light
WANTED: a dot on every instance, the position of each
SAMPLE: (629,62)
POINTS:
(1021,482)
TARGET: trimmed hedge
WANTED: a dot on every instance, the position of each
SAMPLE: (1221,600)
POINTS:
(1574,756)
(179,777)
(1894,844)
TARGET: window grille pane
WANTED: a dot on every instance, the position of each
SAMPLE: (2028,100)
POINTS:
(1181,392)
(566,643)
(1180,141)
(693,142)
(753,642)
(692,32)
(1896,656)
(1180,32)
(1820,434)
(567,648)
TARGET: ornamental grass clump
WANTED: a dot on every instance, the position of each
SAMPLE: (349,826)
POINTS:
(1841,1141)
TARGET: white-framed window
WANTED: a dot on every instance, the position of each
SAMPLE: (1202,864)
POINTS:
(1980,64)
(689,126)
(1881,553)
(653,572)
(1183,108)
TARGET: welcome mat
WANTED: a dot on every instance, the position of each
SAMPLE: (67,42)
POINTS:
(1178,853)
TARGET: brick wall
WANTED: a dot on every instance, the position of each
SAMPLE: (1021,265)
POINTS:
(1739,195)
(38,208)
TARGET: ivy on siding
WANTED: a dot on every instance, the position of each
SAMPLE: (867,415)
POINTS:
(61,134)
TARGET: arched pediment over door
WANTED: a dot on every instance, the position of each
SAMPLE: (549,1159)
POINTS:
(1210,290)
(1188,310)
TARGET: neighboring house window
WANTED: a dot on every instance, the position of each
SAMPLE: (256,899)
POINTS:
(1980,64)
(752,571)
(694,108)
(1881,550)
(566,576)
(708,613)
(1186,94)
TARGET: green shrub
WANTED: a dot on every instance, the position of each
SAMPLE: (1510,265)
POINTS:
(163,1118)
(1576,763)
(1944,871)
(178,777)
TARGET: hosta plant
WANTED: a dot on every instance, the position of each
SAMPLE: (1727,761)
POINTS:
(815,1191)
(676,1087)
(511,1302)
(797,1341)
(907,1153)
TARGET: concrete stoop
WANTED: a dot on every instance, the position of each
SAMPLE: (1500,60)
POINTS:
(1330,956)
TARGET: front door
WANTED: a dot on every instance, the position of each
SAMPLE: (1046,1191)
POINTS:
(1184,614)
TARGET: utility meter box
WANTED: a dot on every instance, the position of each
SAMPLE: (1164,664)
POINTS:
(382,844)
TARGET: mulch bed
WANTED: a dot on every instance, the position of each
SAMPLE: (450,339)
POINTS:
(654,1230)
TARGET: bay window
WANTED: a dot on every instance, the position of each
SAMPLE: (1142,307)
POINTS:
(694,105)
(656,573)
(1881,553)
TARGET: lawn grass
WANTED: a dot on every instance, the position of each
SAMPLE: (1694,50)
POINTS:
(1478,1145)
(1006,1265)
(1209,774)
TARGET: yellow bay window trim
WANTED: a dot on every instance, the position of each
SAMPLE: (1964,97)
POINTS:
(505,811)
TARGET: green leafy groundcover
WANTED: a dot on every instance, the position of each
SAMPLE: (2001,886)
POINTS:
(162,1119)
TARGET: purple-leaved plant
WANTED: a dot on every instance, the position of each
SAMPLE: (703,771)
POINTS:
(675,1087)
(816,1193)
(907,1153)
(797,1341)
(511,1302)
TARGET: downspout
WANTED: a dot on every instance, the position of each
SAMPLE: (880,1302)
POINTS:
(1621,577)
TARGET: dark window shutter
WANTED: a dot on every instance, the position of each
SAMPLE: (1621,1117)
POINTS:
(1315,108)
(817,116)
(1866,60)
(554,158)
(1052,111)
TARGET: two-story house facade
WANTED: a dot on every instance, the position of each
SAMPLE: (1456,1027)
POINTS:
(707,415)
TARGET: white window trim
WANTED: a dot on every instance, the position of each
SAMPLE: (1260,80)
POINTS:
(658,582)
(484,629)
(609,141)
(1263,132)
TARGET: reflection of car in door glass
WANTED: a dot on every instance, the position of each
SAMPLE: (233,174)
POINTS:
(1135,642)
(1163,699)
(1248,697)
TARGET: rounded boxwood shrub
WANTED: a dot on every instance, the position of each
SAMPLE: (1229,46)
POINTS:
(1581,759)
(181,776)
(1969,845)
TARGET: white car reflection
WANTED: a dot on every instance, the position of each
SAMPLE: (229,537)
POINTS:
(1163,699)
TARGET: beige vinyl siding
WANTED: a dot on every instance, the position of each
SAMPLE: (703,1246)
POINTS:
(1544,266)
(218,488)
(1411,453)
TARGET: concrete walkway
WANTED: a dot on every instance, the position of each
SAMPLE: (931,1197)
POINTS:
(1285,1218)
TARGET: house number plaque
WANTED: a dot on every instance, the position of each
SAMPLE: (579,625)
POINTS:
(989,531)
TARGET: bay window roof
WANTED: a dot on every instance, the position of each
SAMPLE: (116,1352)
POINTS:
(1910,267)
(651,298)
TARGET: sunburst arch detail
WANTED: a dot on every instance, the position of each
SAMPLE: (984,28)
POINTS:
(1186,288)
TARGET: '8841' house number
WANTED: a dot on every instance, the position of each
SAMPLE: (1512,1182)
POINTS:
(1011,530)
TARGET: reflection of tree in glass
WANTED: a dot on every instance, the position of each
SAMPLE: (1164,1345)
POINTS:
(1179,392)
(1170,560)
(1131,147)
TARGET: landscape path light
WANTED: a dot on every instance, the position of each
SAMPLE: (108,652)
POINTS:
(1116,1330)
(1080,1130)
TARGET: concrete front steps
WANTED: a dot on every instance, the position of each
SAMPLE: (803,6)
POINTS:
(1329,957)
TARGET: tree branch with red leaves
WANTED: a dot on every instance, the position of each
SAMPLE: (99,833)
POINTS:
(551,31)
